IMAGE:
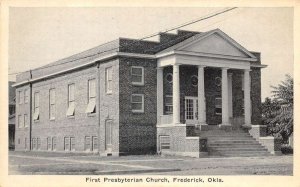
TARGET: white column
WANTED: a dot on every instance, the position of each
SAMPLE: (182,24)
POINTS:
(225,116)
(201,96)
(230,95)
(247,100)
(176,94)
(159,92)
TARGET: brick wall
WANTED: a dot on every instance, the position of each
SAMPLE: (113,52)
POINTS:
(256,96)
(109,106)
(22,132)
(137,130)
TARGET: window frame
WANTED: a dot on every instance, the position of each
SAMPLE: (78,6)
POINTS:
(218,106)
(36,109)
(20,121)
(26,96)
(142,83)
(168,105)
(142,110)
(71,101)
(91,105)
(109,80)
(52,104)
(25,120)
(20,92)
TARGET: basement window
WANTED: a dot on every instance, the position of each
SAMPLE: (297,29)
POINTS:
(165,142)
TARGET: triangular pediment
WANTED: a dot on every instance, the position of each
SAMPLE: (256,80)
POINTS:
(212,43)
(215,44)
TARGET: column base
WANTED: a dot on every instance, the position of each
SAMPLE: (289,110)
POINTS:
(203,126)
(247,126)
(225,126)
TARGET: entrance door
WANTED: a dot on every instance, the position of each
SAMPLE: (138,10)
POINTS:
(191,110)
(108,136)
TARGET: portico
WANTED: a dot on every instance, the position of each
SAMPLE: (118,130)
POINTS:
(225,57)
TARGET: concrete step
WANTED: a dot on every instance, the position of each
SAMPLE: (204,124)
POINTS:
(231,141)
(234,145)
(236,149)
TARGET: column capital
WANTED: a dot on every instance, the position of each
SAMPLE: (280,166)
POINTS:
(247,70)
(177,64)
(201,66)
(159,68)
(224,68)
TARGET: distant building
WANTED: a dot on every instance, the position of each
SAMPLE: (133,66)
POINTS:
(136,97)
(11,115)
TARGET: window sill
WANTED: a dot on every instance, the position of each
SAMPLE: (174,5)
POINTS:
(71,117)
(138,112)
(109,93)
(53,119)
(36,121)
(91,114)
(137,83)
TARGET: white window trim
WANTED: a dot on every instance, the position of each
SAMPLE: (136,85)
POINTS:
(169,104)
(138,111)
(107,80)
(26,96)
(36,115)
(20,97)
(218,106)
(138,83)
(71,107)
(91,99)
(52,103)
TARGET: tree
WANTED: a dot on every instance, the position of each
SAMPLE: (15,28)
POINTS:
(278,112)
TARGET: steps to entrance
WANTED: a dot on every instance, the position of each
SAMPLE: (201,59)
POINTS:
(232,144)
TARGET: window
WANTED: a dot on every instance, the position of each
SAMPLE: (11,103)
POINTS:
(91,108)
(25,144)
(137,102)
(194,80)
(169,77)
(36,114)
(52,104)
(72,143)
(71,100)
(87,143)
(137,75)
(218,105)
(20,97)
(25,120)
(53,143)
(164,142)
(94,143)
(34,143)
(49,146)
(69,143)
(26,96)
(38,142)
(108,80)
(169,104)
(20,121)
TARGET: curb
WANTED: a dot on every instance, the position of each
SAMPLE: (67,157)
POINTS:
(116,172)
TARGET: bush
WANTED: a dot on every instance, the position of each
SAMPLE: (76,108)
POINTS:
(286,149)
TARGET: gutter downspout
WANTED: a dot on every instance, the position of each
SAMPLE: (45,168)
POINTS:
(98,109)
(30,112)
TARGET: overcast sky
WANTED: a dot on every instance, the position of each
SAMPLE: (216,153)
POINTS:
(38,36)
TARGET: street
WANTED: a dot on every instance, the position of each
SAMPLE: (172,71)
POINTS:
(39,163)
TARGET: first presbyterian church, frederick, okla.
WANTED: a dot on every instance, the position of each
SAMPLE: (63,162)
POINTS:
(191,94)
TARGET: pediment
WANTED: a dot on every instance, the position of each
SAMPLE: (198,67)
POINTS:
(216,44)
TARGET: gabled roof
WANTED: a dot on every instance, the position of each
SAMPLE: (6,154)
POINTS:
(202,36)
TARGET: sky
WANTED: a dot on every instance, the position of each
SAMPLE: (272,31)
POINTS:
(38,36)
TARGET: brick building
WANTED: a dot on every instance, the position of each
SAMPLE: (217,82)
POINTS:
(138,97)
